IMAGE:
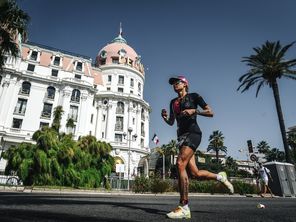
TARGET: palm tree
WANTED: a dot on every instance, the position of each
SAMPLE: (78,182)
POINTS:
(231,165)
(172,149)
(56,123)
(263,147)
(275,155)
(268,65)
(292,144)
(13,22)
(217,143)
(70,125)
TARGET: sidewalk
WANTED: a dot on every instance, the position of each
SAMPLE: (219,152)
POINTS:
(106,192)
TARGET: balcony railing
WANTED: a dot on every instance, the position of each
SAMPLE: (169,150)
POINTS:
(75,99)
(45,114)
(74,117)
(19,112)
(118,127)
(50,96)
(24,91)
(119,111)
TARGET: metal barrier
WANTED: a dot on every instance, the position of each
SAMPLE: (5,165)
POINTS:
(10,180)
(119,184)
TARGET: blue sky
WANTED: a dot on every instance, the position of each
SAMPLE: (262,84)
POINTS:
(203,40)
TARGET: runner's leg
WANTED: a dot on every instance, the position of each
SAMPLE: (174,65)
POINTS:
(184,156)
(200,173)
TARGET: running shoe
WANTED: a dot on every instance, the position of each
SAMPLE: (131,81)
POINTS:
(180,213)
(226,182)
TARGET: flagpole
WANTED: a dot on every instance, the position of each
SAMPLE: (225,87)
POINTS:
(156,141)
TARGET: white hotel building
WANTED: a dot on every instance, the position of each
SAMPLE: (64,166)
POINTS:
(105,99)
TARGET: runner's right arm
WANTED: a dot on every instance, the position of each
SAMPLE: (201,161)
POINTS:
(169,119)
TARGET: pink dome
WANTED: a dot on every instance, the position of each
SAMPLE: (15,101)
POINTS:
(117,48)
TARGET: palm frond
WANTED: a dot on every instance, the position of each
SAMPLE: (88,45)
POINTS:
(284,49)
(290,76)
(259,87)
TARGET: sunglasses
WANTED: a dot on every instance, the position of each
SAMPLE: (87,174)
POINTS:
(178,82)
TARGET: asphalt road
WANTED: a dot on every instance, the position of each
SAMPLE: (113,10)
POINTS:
(18,206)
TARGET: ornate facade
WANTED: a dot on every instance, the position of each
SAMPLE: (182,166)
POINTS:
(104,99)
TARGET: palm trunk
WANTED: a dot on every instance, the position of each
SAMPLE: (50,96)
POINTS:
(217,156)
(276,96)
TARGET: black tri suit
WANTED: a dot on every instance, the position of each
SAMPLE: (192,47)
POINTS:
(189,133)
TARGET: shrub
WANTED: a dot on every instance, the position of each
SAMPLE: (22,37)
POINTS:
(160,186)
(141,185)
(244,188)
(196,186)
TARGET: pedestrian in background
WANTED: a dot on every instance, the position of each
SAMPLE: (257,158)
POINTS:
(264,174)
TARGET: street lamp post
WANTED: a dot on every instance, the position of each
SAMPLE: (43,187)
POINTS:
(129,139)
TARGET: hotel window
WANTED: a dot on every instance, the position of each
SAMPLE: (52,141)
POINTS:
(34,55)
(54,72)
(104,117)
(50,92)
(115,60)
(73,113)
(57,61)
(120,90)
(122,52)
(71,129)
(120,108)
(43,125)
(21,106)
(118,137)
(102,61)
(139,87)
(142,142)
(31,67)
(5,59)
(46,112)
(142,114)
(77,76)
(121,80)
(109,78)
(133,121)
(17,123)
(108,88)
(79,66)
(26,88)
(75,97)
(103,57)
(119,123)
(91,118)
(132,83)
(142,129)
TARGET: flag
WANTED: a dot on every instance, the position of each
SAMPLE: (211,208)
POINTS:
(155,139)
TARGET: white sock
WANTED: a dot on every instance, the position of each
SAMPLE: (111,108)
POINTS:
(185,207)
(219,177)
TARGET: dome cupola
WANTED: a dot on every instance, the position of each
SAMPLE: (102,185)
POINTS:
(119,52)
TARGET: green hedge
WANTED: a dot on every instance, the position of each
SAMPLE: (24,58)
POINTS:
(157,185)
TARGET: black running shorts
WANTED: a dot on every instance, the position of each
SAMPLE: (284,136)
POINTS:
(189,139)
